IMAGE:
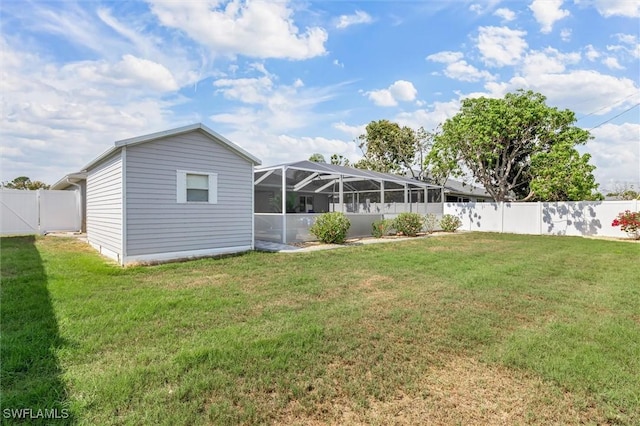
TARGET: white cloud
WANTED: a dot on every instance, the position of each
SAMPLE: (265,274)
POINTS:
(400,90)
(547,13)
(486,6)
(352,131)
(458,69)
(465,72)
(269,106)
(274,148)
(591,53)
(630,39)
(253,28)
(565,34)
(612,63)
(446,57)
(94,31)
(506,14)
(88,104)
(462,71)
(359,17)
(500,46)
(337,63)
(429,118)
(608,8)
(247,90)
(548,61)
(615,150)
(382,97)
(130,72)
(71,23)
(403,90)
(583,91)
(630,45)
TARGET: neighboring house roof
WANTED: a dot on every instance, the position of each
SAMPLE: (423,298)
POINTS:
(461,188)
(325,168)
(69,180)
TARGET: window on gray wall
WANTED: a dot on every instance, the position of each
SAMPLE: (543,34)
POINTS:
(197,187)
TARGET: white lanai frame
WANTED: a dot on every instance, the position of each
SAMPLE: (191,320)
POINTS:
(318,177)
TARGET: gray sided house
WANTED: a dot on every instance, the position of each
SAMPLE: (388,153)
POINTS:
(181,193)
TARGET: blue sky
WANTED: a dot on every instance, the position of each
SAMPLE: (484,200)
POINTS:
(287,79)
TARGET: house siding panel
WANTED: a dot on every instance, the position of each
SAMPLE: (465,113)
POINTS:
(104,205)
(156,223)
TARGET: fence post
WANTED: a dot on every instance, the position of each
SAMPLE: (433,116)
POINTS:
(539,218)
(502,217)
(39,204)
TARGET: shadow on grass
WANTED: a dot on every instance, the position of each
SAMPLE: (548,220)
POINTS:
(31,387)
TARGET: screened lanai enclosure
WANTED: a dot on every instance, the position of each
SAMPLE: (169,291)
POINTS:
(289,198)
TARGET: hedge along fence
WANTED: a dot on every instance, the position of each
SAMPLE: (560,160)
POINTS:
(580,218)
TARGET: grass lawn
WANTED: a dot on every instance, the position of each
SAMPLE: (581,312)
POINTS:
(470,328)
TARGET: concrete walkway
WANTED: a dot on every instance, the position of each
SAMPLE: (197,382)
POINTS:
(285,248)
(270,246)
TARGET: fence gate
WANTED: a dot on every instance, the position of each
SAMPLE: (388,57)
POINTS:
(39,212)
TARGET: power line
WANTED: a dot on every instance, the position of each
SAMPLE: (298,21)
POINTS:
(608,106)
(615,116)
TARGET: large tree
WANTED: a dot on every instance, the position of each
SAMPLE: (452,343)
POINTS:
(23,182)
(624,192)
(517,148)
(317,158)
(339,160)
(390,148)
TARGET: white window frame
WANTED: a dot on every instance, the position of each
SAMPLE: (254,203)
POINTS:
(181,187)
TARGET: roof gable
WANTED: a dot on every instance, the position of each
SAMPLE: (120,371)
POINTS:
(216,137)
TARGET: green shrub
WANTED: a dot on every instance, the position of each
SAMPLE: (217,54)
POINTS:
(331,227)
(449,223)
(381,227)
(430,223)
(408,223)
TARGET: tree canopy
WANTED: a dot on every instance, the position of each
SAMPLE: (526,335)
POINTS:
(339,160)
(23,182)
(390,148)
(624,192)
(517,148)
(317,158)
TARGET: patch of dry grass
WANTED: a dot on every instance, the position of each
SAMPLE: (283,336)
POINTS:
(462,391)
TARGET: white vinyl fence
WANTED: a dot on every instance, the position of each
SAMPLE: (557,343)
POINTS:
(581,218)
(39,212)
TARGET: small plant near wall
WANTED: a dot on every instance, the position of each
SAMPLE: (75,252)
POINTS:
(629,222)
(381,227)
(449,223)
(408,223)
(430,223)
(331,228)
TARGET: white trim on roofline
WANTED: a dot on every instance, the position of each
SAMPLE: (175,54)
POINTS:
(332,169)
(66,180)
